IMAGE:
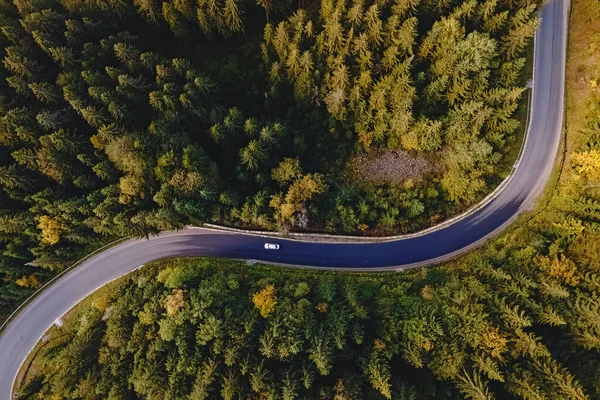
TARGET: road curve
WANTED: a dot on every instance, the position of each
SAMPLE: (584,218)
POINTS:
(527,182)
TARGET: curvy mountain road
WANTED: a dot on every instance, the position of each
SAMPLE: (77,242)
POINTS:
(529,178)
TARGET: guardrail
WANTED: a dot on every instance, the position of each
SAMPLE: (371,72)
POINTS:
(299,236)
(325,237)
(45,286)
(368,239)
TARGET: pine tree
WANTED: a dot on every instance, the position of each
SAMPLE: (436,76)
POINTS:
(566,386)
(11,177)
(233,16)
(379,375)
(522,27)
(522,383)
(472,386)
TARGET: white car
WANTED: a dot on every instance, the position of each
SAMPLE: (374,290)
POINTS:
(271,246)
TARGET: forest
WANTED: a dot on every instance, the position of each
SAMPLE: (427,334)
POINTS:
(125,118)
(516,323)
(516,319)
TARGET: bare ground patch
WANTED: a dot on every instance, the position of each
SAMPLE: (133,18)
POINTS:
(388,166)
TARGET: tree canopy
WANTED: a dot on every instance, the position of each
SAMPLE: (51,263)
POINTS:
(128,118)
(503,328)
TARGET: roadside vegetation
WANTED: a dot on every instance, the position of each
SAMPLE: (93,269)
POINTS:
(123,118)
(516,323)
(518,319)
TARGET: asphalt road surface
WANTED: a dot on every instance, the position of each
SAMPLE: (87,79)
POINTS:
(531,174)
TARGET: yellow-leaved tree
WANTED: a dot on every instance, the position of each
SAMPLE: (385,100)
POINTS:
(51,229)
(265,300)
(28,281)
(174,302)
(302,188)
(587,164)
(561,268)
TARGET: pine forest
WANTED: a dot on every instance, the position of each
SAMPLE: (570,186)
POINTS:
(124,118)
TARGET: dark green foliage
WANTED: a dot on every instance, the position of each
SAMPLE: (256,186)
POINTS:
(188,328)
(111,126)
(128,118)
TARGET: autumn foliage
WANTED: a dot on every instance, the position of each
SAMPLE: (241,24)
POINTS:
(265,300)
